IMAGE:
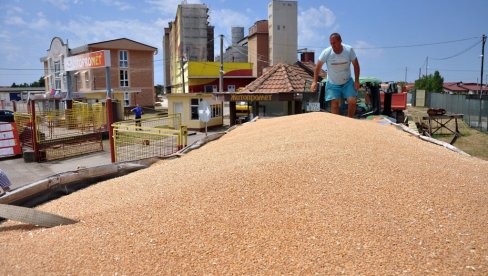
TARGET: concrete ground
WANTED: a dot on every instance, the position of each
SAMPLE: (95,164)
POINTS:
(21,173)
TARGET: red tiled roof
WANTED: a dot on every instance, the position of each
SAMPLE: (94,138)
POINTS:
(463,87)
(283,78)
(474,87)
(454,86)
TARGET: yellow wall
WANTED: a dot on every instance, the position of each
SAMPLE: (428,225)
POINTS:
(184,102)
(212,69)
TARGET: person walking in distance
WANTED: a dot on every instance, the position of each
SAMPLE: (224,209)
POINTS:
(340,84)
(138,114)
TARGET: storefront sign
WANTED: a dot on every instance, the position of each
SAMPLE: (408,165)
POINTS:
(87,61)
(250,98)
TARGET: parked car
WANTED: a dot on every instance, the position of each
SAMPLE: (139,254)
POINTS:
(6,115)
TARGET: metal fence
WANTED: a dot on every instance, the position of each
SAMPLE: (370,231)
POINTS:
(149,137)
(475,110)
(59,133)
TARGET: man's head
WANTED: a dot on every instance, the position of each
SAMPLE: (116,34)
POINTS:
(336,42)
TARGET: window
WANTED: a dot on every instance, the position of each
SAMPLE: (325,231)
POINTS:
(86,77)
(123,59)
(126,99)
(124,78)
(57,69)
(231,88)
(194,108)
(208,88)
(216,110)
(57,75)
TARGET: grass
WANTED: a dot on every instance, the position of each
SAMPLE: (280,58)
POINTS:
(472,141)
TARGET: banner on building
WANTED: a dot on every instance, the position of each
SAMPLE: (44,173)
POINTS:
(87,61)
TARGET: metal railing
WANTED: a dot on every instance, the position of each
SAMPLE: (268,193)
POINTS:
(149,137)
(62,133)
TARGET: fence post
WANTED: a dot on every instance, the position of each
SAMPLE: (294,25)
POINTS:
(35,146)
(110,129)
(182,137)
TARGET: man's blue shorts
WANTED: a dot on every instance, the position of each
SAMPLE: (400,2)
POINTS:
(344,91)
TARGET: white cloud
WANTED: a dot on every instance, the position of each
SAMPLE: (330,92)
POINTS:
(60,4)
(66,4)
(314,25)
(225,19)
(15,20)
(40,22)
(9,48)
(87,30)
(37,23)
(121,5)
(321,17)
(366,50)
(11,10)
(168,7)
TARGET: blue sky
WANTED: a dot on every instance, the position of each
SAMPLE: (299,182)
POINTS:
(392,38)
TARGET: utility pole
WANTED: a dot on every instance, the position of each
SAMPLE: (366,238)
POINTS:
(481,83)
(406,68)
(482,63)
(182,65)
(420,72)
(221,79)
(426,65)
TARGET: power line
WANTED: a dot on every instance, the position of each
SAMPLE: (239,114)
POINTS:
(416,45)
(21,69)
(460,53)
(362,48)
(455,70)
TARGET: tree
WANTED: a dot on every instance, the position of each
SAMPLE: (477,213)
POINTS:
(437,82)
(159,89)
(431,83)
(39,83)
(42,82)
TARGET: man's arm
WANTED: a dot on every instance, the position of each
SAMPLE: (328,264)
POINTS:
(316,73)
(355,64)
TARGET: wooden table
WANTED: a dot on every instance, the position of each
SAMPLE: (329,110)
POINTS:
(443,125)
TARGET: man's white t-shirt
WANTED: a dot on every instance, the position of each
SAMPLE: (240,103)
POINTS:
(338,65)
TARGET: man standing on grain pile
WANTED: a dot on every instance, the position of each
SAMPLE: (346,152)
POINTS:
(340,84)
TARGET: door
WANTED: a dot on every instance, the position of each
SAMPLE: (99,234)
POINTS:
(178,108)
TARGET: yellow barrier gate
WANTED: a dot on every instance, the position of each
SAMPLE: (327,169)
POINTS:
(62,133)
(151,137)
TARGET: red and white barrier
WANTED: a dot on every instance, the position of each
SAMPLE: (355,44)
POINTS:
(9,140)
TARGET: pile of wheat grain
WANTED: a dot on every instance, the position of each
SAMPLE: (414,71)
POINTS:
(310,193)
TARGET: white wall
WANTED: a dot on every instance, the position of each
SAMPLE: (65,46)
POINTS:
(283,35)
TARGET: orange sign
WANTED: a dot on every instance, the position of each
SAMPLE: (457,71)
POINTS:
(87,61)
